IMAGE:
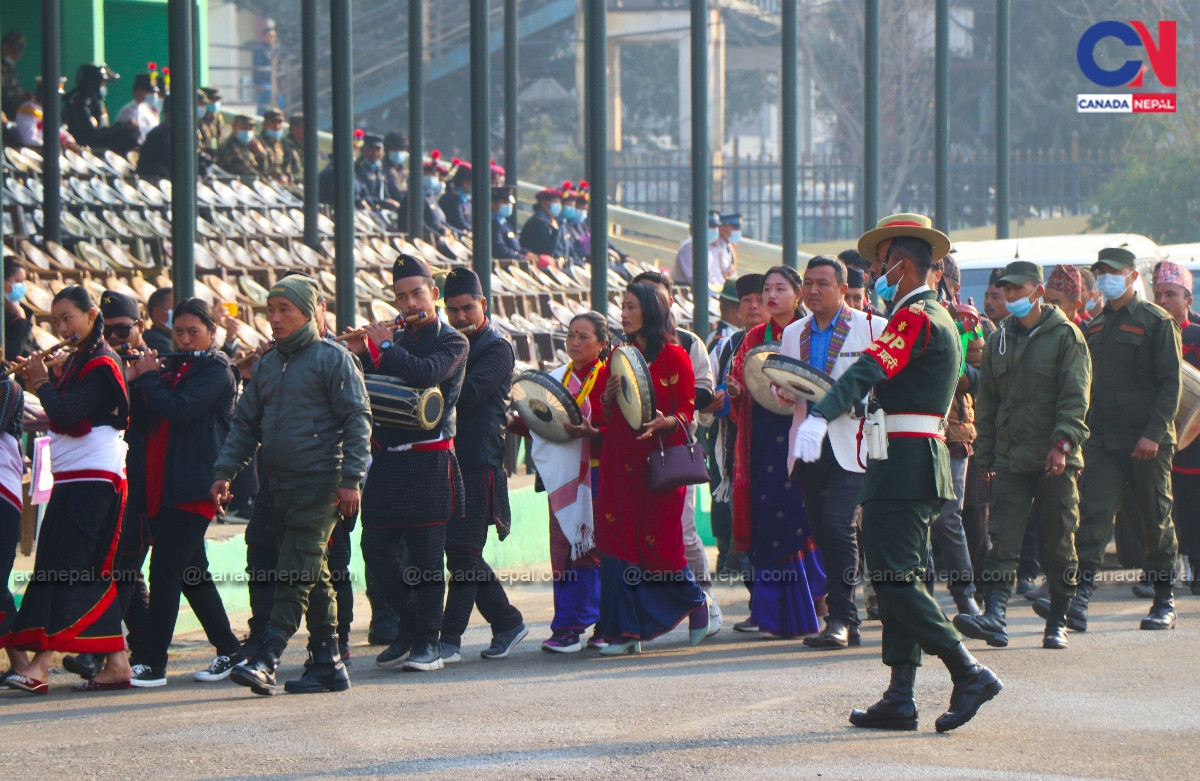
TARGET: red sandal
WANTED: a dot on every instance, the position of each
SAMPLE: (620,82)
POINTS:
(27,684)
(96,686)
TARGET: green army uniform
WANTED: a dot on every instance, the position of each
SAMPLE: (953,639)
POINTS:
(275,162)
(1136,359)
(914,369)
(1032,398)
(238,159)
(293,159)
(212,128)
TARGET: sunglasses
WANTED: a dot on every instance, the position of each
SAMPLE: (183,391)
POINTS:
(119,331)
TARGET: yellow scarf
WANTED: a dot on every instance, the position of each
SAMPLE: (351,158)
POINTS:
(588,384)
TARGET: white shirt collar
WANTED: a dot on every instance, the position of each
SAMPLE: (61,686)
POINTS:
(908,295)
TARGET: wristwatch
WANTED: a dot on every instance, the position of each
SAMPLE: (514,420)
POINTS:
(1065,446)
(385,344)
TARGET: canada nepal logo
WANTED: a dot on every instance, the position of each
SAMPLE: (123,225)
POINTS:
(1131,73)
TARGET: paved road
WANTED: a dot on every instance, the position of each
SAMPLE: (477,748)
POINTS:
(1120,703)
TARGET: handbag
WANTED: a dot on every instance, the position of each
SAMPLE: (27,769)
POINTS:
(678,465)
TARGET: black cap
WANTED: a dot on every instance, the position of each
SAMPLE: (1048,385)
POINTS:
(409,266)
(395,141)
(504,193)
(118,305)
(855,278)
(142,81)
(749,284)
(372,139)
(994,279)
(733,218)
(462,282)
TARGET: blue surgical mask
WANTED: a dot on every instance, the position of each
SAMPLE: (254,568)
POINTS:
(201,111)
(713,235)
(103,92)
(212,108)
(398,157)
(244,136)
(274,135)
(429,184)
(154,101)
(884,290)
(16,294)
(505,210)
(1094,304)
(1019,308)
(735,237)
(1112,286)
(568,213)
(374,165)
(555,209)
(581,216)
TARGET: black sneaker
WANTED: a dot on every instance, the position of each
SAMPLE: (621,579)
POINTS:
(147,677)
(394,656)
(451,654)
(424,658)
(503,643)
(219,669)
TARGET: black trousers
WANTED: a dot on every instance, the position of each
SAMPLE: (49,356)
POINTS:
(408,563)
(179,566)
(10,535)
(830,498)
(132,594)
(473,583)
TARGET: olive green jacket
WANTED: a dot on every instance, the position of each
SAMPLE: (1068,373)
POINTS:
(1033,393)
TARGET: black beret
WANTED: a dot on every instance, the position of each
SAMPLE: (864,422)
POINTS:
(748,284)
(462,282)
(118,305)
(409,266)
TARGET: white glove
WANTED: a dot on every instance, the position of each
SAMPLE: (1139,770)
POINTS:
(809,438)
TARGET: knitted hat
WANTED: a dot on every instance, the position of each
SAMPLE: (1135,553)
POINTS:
(298,289)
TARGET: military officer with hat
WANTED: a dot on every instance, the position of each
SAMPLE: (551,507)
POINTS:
(1136,357)
(272,142)
(505,245)
(913,368)
(241,154)
(293,150)
(368,169)
(212,126)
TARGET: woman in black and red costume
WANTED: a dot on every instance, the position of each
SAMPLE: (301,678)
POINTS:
(70,603)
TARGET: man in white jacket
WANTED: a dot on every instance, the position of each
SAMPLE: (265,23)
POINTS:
(830,340)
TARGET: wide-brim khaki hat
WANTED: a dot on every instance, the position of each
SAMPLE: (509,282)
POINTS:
(916,226)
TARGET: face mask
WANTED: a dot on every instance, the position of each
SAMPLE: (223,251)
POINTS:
(103,92)
(884,290)
(429,184)
(170,318)
(439,187)
(212,108)
(1019,308)
(713,235)
(555,209)
(568,212)
(505,210)
(464,196)
(735,237)
(154,102)
(399,158)
(274,135)
(373,164)
(244,136)
(1112,286)
(580,216)
(201,111)
(16,294)
(1093,305)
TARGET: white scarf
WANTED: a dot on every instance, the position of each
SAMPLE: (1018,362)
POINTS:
(566,472)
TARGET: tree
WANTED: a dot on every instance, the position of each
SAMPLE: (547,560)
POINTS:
(1159,199)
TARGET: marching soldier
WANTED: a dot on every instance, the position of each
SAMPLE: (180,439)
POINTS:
(242,154)
(914,370)
(1034,381)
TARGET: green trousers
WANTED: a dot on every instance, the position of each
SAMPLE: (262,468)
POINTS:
(895,536)
(302,520)
(1106,475)
(1055,504)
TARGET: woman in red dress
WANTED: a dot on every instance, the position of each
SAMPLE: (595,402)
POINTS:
(646,587)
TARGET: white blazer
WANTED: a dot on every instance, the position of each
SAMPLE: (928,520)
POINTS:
(843,431)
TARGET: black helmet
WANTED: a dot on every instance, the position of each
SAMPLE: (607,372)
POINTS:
(90,76)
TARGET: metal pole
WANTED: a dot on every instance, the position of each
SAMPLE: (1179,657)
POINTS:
(343,161)
(941,117)
(596,93)
(870,203)
(511,136)
(416,116)
(700,167)
(790,137)
(312,161)
(183,149)
(481,175)
(1002,151)
(51,120)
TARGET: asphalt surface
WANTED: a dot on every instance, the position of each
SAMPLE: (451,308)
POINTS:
(1119,703)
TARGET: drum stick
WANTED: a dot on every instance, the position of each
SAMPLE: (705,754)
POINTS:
(361,331)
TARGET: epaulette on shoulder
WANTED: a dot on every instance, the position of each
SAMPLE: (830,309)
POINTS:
(1157,311)
(917,307)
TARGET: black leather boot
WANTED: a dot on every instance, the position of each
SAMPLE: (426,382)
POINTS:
(325,671)
(974,685)
(990,627)
(1055,635)
(86,666)
(1077,610)
(259,672)
(896,710)
(1162,612)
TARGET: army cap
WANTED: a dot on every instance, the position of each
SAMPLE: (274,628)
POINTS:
(1019,272)
(1115,258)
(272,115)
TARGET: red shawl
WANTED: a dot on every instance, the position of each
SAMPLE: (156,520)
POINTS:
(633,523)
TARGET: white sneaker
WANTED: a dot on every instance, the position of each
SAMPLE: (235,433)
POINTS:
(714,616)
(218,670)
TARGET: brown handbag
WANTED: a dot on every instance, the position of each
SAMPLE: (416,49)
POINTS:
(678,465)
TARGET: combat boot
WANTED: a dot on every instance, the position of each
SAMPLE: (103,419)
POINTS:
(974,685)
(896,710)
(1162,612)
(1077,610)
(1055,635)
(990,627)
(259,672)
(324,672)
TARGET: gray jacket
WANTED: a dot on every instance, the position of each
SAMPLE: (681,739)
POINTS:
(310,413)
